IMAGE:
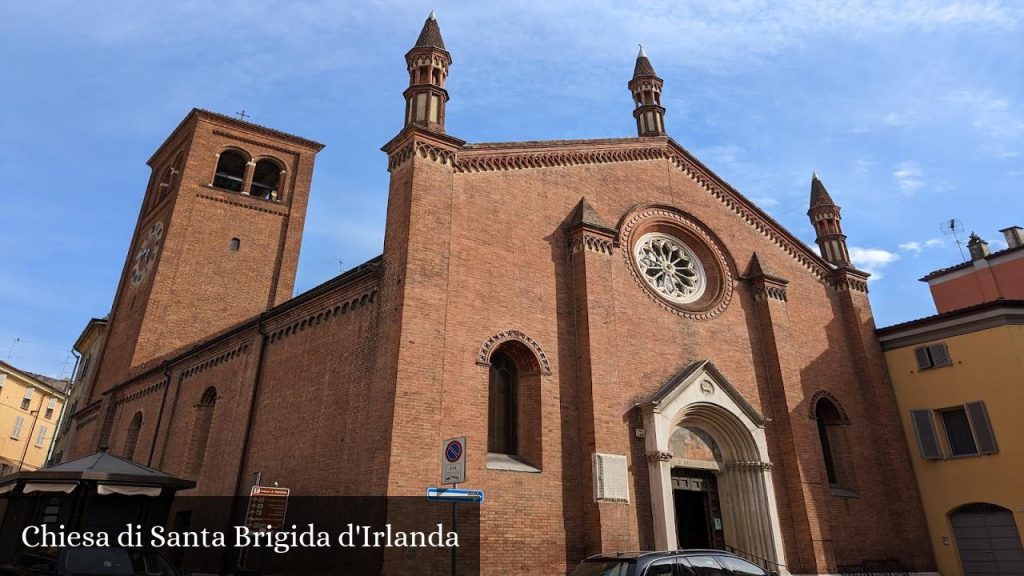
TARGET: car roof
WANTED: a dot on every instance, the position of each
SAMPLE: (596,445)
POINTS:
(636,555)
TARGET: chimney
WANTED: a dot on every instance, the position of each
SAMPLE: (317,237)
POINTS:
(1014,236)
(978,247)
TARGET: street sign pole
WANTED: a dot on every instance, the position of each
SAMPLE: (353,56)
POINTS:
(453,471)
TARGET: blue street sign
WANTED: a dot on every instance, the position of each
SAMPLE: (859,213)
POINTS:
(455,495)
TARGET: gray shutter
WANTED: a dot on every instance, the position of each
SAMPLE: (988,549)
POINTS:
(926,439)
(940,355)
(982,427)
(923,360)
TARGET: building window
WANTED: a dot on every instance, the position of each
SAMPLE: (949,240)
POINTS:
(41,436)
(501,429)
(827,415)
(26,400)
(51,407)
(230,173)
(3,380)
(670,267)
(932,356)
(132,438)
(19,422)
(235,245)
(201,424)
(85,367)
(265,178)
(966,430)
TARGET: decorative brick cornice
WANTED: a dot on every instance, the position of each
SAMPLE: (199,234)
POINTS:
(843,279)
(749,465)
(585,239)
(475,162)
(767,287)
(275,210)
(253,142)
(327,314)
(483,357)
(141,393)
(217,360)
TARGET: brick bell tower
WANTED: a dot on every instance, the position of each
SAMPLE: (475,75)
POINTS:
(216,241)
(824,215)
(646,89)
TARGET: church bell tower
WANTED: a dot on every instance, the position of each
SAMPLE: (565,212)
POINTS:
(216,241)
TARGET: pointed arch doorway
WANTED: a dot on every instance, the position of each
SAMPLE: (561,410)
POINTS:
(723,457)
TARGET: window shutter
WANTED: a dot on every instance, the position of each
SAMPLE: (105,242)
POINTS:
(3,379)
(923,360)
(940,355)
(926,439)
(16,432)
(41,436)
(981,427)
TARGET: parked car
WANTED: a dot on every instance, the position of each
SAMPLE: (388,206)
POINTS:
(672,563)
(91,562)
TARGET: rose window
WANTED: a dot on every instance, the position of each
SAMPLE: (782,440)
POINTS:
(670,267)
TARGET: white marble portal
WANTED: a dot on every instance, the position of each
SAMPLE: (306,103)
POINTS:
(700,397)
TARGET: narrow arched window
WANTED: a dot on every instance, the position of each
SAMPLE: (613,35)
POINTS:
(201,424)
(265,178)
(501,421)
(132,438)
(827,416)
(235,244)
(230,173)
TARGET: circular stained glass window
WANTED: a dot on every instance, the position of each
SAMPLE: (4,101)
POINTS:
(670,267)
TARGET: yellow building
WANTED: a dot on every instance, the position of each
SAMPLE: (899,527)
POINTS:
(959,382)
(31,406)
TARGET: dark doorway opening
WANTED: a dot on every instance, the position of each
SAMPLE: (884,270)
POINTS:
(698,512)
(692,522)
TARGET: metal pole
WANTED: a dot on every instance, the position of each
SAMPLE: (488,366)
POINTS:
(455,549)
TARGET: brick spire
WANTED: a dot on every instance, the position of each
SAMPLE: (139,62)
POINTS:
(824,215)
(646,89)
(428,63)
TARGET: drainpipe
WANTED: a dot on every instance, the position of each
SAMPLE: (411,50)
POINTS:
(64,406)
(236,497)
(160,414)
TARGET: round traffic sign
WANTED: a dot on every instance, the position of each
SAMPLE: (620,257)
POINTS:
(453,451)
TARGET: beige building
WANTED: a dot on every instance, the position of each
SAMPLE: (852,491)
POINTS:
(31,407)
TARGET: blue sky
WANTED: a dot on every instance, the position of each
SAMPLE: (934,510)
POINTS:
(911,113)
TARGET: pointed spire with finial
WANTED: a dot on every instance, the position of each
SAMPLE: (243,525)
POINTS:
(819,195)
(428,63)
(825,217)
(430,36)
(646,89)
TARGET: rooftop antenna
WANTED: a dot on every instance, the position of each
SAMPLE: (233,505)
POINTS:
(954,227)
(67,360)
(242,115)
(10,352)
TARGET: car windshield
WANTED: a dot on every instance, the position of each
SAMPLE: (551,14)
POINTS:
(97,562)
(603,568)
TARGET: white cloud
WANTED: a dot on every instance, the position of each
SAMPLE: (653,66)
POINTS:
(914,247)
(872,260)
(909,177)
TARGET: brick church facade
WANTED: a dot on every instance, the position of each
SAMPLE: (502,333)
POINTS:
(640,357)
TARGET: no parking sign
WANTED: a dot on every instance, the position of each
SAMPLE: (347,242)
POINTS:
(453,461)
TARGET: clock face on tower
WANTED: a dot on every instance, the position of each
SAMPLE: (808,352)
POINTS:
(145,256)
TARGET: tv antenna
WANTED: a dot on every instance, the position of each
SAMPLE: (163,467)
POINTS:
(10,351)
(954,227)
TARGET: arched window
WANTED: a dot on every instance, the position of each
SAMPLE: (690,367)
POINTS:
(230,171)
(265,179)
(132,438)
(235,245)
(203,420)
(832,424)
(501,418)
